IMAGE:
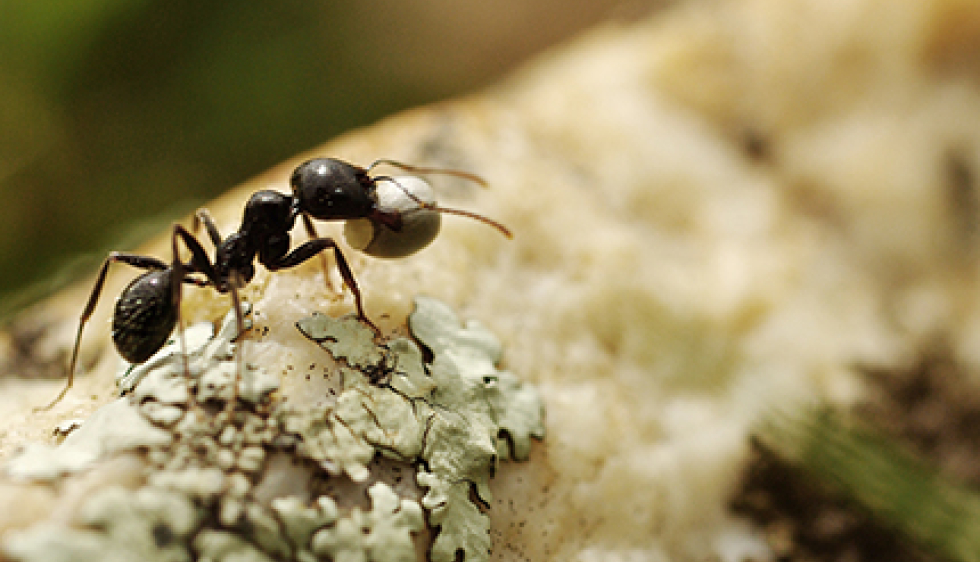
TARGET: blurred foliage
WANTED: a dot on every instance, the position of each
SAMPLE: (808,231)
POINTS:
(900,489)
(112,110)
(115,110)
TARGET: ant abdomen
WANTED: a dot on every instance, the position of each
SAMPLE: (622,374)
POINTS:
(145,316)
(411,200)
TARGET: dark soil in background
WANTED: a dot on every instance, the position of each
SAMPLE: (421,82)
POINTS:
(931,409)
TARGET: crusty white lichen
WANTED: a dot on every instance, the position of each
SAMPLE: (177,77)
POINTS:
(268,481)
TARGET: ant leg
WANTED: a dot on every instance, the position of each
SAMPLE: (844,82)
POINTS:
(348,276)
(313,247)
(176,293)
(239,352)
(142,262)
(198,263)
(203,216)
(312,233)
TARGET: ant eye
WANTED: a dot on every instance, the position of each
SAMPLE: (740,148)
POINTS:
(329,189)
(402,225)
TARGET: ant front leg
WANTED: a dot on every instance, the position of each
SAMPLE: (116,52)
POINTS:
(312,233)
(141,262)
(313,247)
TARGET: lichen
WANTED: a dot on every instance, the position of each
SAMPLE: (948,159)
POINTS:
(268,481)
(381,535)
(452,424)
(116,427)
(117,525)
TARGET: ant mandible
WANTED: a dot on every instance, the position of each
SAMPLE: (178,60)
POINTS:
(386,217)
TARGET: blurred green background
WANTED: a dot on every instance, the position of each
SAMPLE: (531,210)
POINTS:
(113,111)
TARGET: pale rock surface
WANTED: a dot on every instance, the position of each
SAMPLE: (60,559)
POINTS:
(724,209)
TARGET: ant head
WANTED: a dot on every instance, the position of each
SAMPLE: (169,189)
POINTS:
(405,219)
(330,189)
(386,217)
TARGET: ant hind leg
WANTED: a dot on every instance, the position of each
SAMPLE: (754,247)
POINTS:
(142,262)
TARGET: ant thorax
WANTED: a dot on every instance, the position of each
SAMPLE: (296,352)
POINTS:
(411,200)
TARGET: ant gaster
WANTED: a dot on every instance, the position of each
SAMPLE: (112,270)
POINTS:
(387,217)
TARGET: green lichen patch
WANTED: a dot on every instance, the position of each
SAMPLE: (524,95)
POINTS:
(346,338)
(383,534)
(208,371)
(115,428)
(116,525)
(268,481)
(472,351)
(459,413)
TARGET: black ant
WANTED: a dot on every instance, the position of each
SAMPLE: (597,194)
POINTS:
(382,222)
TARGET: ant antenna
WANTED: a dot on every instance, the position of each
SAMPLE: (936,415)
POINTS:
(448,210)
(426,170)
